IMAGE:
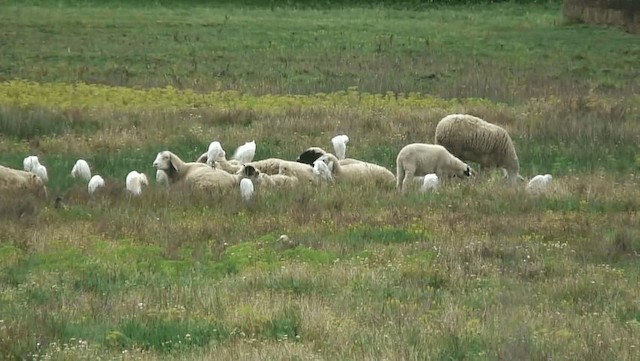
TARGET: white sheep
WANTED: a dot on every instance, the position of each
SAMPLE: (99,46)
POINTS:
(539,184)
(15,180)
(270,166)
(175,168)
(430,183)
(273,181)
(420,159)
(135,181)
(303,172)
(195,174)
(357,172)
(340,145)
(246,189)
(81,170)
(96,182)
(245,153)
(473,139)
(267,180)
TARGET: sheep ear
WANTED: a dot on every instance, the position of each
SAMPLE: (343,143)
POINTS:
(172,160)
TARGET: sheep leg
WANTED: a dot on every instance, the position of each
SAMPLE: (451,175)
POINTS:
(408,177)
(399,176)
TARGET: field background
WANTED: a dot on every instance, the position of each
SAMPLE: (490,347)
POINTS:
(478,271)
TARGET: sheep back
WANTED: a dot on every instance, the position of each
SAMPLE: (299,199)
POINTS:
(12,180)
(420,159)
(473,139)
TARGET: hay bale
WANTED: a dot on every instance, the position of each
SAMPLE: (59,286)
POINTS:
(624,14)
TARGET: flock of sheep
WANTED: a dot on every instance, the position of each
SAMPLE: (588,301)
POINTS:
(459,138)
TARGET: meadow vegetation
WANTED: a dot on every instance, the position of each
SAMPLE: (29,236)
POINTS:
(478,271)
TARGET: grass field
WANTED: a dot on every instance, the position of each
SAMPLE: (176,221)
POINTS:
(478,271)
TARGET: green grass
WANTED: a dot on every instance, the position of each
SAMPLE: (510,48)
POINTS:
(477,271)
(501,51)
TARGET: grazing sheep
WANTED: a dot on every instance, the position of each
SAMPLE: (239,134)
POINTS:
(135,181)
(245,153)
(419,159)
(81,170)
(340,145)
(15,180)
(246,189)
(430,183)
(310,155)
(539,184)
(95,183)
(357,172)
(195,174)
(473,139)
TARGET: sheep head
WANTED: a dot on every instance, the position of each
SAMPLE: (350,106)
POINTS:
(163,161)
(250,171)
(310,155)
(36,183)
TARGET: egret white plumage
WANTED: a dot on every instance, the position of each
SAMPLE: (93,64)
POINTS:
(322,171)
(135,181)
(30,162)
(340,145)
(430,183)
(95,183)
(41,171)
(539,184)
(81,170)
(214,152)
(245,152)
(246,189)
